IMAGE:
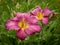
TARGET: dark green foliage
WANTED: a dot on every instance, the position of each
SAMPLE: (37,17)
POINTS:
(50,34)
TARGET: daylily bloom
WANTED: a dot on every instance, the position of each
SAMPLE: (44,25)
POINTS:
(24,24)
(41,14)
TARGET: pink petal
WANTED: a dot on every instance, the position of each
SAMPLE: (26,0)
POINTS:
(45,20)
(29,31)
(35,28)
(12,25)
(26,15)
(21,34)
(19,14)
(38,9)
(46,11)
(29,18)
(15,19)
(32,29)
(32,20)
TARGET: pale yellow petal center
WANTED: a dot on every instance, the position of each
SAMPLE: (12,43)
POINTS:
(39,16)
(23,24)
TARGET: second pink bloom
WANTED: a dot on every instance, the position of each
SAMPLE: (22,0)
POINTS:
(41,14)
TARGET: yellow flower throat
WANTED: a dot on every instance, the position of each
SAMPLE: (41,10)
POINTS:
(23,24)
(39,16)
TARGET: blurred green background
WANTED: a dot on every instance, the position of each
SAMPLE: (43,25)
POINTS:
(50,34)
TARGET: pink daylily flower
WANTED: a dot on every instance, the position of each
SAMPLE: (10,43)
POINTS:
(41,14)
(24,24)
